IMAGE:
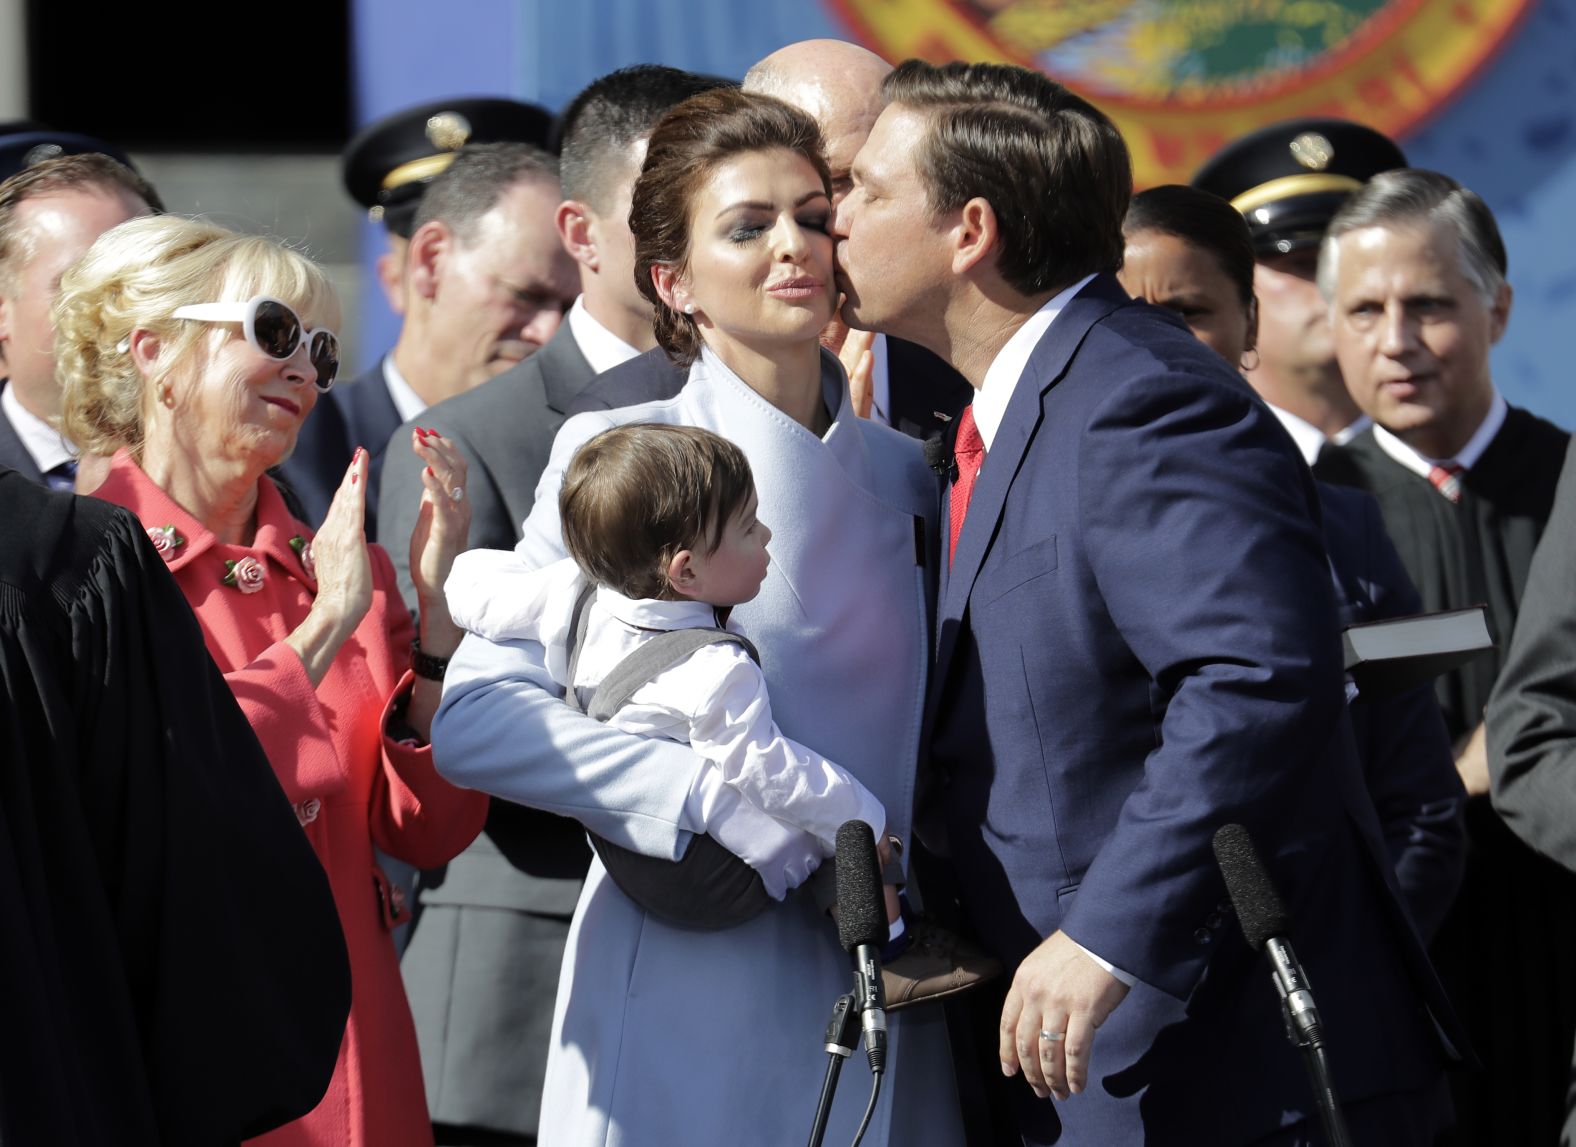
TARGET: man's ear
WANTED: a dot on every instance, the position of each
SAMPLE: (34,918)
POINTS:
(432,243)
(974,236)
(1499,312)
(684,574)
(5,324)
(577,233)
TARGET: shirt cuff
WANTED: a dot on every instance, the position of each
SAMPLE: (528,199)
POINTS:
(701,804)
(1126,977)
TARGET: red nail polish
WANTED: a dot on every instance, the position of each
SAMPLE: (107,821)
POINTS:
(420,433)
(434,433)
(354,478)
(429,470)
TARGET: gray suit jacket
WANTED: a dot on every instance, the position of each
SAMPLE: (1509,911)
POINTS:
(481,968)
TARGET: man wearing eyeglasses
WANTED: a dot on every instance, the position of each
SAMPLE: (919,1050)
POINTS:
(50,214)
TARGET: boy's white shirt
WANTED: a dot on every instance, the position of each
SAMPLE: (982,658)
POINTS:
(766,798)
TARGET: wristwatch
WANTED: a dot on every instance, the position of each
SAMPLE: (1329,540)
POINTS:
(425,664)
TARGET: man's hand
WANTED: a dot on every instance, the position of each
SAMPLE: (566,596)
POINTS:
(1472,763)
(1057,989)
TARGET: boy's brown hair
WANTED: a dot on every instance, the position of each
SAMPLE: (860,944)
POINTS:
(636,495)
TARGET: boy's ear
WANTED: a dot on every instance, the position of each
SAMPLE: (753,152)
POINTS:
(683,576)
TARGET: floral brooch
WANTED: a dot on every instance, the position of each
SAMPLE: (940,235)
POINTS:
(303,550)
(166,540)
(246,575)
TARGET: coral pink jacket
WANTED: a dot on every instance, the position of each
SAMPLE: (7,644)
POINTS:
(351,784)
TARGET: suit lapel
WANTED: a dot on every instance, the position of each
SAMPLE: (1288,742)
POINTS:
(564,369)
(1045,369)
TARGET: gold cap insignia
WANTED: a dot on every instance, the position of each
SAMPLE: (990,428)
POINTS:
(448,131)
(1312,150)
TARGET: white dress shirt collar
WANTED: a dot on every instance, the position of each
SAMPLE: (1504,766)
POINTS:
(41,440)
(1309,439)
(651,613)
(1466,457)
(603,349)
(990,401)
(407,403)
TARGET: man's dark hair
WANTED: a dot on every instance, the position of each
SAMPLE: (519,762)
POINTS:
(481,174)
(1053,167)
(613,113)
(87,172)
(636,495)
(1202,220)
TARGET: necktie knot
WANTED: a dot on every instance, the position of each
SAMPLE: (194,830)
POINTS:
(1446,477)
(62,476)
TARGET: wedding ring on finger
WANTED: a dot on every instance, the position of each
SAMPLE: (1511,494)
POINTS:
(1053,1037)
(457,494)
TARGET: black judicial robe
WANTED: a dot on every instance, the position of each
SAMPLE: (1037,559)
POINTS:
(171,965)
(1507,951)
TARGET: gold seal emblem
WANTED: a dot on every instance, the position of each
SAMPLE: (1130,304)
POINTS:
(1182,79)
(448,131)
(1312,150)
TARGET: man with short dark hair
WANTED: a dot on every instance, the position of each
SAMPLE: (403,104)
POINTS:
(1414,270)
(1128,524)
(486,285)
(482,965)
(50,214)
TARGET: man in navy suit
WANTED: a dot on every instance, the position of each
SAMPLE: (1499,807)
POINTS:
(1137,644)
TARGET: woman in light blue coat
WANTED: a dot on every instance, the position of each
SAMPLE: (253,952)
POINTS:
(664,1036)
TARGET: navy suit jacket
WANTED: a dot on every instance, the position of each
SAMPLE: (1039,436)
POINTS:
(355,413)
(1138,643)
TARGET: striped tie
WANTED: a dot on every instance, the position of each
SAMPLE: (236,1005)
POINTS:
(1446,478)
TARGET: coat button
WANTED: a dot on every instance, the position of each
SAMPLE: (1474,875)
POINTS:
(1202,935)
(1213,920)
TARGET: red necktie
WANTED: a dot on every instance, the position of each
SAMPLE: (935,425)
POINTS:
(1446,478)
(969,452)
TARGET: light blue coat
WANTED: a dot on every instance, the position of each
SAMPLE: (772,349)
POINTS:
(664,1036)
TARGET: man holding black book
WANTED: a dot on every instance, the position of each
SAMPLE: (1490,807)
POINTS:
(1414,269)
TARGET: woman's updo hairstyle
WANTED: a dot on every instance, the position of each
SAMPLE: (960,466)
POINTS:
(686,146)
(133,278)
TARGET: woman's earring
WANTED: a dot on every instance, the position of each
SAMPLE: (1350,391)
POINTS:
(1245,364)
(689,308)
(166,395)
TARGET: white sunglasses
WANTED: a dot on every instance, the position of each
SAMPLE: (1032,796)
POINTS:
(275,330)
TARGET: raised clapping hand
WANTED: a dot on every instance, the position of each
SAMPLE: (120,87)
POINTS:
(442,524)
(1058,990)
(344,575)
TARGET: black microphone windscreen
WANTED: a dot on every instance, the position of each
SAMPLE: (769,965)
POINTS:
(1258,905)
(861,907)
(937,456)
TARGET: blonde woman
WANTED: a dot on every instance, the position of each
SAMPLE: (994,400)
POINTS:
(192,355)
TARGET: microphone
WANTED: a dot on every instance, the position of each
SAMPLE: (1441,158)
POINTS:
(862,930)
(1265,926)
(940,458)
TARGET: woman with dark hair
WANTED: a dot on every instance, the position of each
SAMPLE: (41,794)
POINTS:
(1190,252)
(730,220)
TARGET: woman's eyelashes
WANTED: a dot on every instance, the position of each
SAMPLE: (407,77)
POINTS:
(817,221)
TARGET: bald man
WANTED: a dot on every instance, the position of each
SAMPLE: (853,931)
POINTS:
(839,85)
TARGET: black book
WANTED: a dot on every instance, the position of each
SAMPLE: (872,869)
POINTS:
(1385,657)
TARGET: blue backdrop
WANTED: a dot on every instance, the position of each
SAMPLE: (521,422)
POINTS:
(1510,134)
